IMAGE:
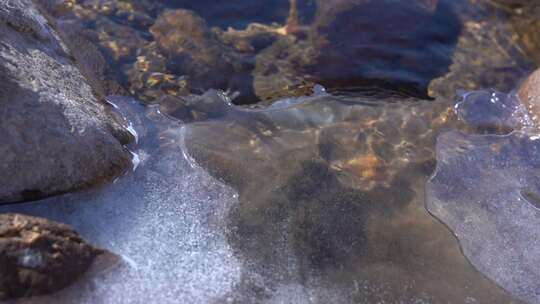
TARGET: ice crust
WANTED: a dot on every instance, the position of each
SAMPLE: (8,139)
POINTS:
(486,187)
(164,220)
(313,200)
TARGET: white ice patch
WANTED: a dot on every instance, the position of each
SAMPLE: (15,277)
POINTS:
(165,220)
(485,188)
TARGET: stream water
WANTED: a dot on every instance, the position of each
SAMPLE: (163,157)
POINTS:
(319,208)
(387,185)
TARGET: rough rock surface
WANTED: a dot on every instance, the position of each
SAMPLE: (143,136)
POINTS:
(489,53)
(38,256)
(54,135)
(193,49)
(529,93)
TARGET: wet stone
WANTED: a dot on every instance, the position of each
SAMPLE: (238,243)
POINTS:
(38,256)
(191,49)
(55,134)
(312,43)
(265,62)
(388,51)
(488,53)
(526,25)
(244,13)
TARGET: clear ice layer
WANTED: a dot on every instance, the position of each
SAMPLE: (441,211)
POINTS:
(311,200)
(166,220)
(486,188)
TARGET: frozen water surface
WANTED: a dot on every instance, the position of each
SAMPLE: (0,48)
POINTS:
(165,220)
(312,200)
(486,189)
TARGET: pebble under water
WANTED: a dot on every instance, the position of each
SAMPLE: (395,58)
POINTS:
(311,200)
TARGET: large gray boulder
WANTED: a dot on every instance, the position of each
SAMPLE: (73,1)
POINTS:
(55,136)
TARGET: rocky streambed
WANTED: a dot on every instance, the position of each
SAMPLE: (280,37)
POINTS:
(361,167)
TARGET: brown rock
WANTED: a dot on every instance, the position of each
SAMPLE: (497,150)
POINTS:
(529,93)
(149,78)
(526,24)
(192,49)
(38,256)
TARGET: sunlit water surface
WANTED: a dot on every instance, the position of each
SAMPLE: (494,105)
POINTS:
(319,199)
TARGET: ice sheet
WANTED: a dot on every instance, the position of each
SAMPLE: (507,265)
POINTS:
(486,189)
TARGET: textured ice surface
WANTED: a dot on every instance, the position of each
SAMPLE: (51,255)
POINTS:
(165,219)
(324,205)
(490,111)
(487,190)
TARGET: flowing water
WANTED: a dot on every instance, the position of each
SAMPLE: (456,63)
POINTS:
(373,188)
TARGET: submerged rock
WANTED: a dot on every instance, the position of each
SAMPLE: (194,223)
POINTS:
(186,57)
(382,43)
(192,50)
(54,134)
(245,12)
(527,27)
(488,53)
(179,54)
(348,46)
(38,256)
(331,194)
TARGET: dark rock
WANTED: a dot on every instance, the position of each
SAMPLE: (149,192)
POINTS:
(382,43)
(85,44)
(278,68)
(245,12)
(184,37)
(89,59)
(38,256)
(54,135)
